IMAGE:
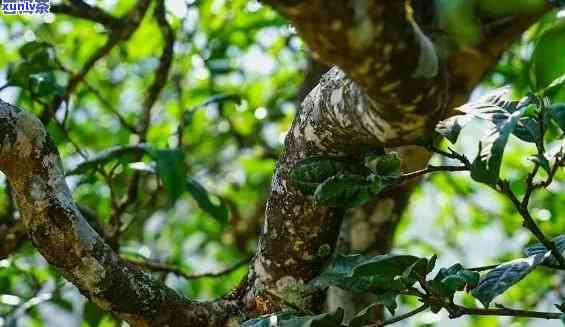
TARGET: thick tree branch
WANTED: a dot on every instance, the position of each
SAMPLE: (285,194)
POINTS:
(374,44)
(57,228)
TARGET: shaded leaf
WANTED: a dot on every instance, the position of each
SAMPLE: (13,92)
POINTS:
(204,199)
(92,315)
(493,107)
(486,166)
(387,272)
(307,174)
(451,128)
(555,86)
(500,279)
(339,272)
(528,130)
(557,114)
(548,59)
(343,191)
(172,170)
(384,165)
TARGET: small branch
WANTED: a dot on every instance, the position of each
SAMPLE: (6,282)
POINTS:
(83,10)
(159,267)
(407,315)
(452,154)
(530,223)
(461,311)
(162,73)
(484,268)
(432,169)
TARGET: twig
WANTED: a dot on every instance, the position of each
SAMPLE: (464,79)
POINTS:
(484,268)
(159,267)
(407,315)
(530,223)
(459,311)
(432,169)
(83,10)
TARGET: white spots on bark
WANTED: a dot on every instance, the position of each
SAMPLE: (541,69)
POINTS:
(90,273)
(377,126)
(38,193)
(30,134)
(261,273)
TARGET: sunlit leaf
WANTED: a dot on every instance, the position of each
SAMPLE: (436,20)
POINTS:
(500,279)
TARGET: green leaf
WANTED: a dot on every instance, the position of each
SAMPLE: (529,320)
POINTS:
(33,49)
(451,128)
(384,165)
(492,107)
(528,130)
(44,84)
(539,248)
(557,114)
(387,272)
(343,191)
(453,279)
(92,315)
(308,174)
(459,20)
(500,279)
(339,272)
(548,59)
(172,170)
(555,86)
(204,199)
(486,166)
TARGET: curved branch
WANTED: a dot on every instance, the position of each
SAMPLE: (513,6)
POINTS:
(57,228)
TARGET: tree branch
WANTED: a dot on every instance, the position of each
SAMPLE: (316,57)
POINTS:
(80,9)
(57,228)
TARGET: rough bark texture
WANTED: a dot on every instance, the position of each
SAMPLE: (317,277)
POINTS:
(30,160)
(374,45)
